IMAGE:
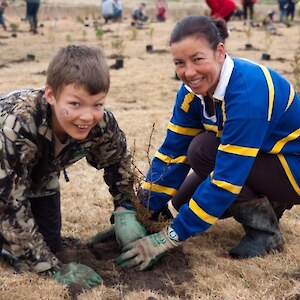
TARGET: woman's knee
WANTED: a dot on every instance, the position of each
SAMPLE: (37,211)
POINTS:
(203,149)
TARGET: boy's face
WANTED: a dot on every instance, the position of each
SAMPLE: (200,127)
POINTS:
(74,111)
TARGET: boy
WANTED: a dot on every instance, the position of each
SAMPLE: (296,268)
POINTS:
(43,131)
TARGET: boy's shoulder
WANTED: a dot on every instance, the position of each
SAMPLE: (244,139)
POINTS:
(108,118)
(21,103)
(3,4)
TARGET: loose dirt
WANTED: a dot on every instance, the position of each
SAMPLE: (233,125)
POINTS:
(164,278)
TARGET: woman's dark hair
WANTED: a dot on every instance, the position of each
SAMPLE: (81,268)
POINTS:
(213,30)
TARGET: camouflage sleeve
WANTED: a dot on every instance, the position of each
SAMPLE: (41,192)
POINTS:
(17,225)
(113,155)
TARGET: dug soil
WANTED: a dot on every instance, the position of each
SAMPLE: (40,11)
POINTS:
(165,278)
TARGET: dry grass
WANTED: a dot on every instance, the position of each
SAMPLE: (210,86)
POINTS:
(142,94)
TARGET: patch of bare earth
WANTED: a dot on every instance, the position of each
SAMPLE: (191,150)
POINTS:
(173,267)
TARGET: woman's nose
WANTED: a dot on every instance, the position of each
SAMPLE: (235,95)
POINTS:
(189,71)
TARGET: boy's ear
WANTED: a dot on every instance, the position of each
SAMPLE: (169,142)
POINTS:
(49,94)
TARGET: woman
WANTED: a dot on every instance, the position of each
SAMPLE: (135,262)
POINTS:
(236,124)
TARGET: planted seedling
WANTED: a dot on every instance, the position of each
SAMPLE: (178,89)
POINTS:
(149,47)
(118,44)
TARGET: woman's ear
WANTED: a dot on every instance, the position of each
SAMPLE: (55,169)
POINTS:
(49,94)
(221,52)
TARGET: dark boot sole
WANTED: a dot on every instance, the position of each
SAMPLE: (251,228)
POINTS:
(228,255)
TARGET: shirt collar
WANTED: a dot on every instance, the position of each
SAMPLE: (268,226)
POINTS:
(224,78)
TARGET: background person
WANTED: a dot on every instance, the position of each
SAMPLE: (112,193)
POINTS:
(223,9)
(32,10)
(236,124)
(291,10)
(3,6)
(43,131)
(248,9)
(111,10)
(283,5)
(161,10)
(139,16)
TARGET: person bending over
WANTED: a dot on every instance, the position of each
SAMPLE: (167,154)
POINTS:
(236,124)
(44,131)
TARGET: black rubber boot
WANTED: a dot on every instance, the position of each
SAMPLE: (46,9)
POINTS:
(280,208)
(261,226)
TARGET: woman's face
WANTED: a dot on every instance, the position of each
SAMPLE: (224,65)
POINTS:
(74,111)
(197,65)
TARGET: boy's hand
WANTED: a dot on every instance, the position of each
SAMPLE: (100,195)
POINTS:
(74,273)
(127,228)
(102,236)
(143,253)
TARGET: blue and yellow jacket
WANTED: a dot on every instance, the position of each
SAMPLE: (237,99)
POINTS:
(256,109)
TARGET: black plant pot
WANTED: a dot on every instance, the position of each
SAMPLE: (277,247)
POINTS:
(248,46)
(119,63)
(30,57)
(149,48)
(266,56)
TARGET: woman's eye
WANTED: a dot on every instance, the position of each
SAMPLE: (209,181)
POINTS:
(197,59)
(178,63)
(73,103)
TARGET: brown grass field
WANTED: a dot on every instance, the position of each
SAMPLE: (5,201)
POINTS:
(141,96)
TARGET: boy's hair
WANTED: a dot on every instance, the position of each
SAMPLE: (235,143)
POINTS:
(80,65)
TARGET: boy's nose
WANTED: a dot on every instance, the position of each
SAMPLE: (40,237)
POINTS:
(87,115)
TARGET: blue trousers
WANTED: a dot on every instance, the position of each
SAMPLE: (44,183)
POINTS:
(32,11)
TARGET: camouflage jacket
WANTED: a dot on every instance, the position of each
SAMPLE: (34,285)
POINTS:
(28,168)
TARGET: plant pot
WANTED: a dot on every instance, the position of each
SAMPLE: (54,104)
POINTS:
(14,35)
(30,57)
(266,56)
(119,63)
(149,48)
(248,46)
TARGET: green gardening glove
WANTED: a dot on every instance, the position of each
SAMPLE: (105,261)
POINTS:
(102,236)
(127,228)
(145,252)
(74,273)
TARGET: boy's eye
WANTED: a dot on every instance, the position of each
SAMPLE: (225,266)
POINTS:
(99,105)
